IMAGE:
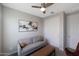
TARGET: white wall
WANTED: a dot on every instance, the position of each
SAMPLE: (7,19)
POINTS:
(0,28)
(11,34)
(54,31)
(51,30)
(72,30)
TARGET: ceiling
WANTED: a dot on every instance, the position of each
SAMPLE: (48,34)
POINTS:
(51,10)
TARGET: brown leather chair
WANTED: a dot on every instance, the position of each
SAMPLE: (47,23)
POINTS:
(75,53)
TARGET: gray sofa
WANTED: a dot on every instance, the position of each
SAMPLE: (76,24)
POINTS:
(33,44)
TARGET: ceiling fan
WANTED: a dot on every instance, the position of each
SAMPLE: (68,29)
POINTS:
(43,6)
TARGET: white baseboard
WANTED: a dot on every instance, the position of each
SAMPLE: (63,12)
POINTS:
(12,53)
(3,54)
(7,54)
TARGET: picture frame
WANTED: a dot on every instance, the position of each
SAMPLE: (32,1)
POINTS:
(27,26)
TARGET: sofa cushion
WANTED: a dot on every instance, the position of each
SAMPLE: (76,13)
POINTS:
(37,39)
(32,46)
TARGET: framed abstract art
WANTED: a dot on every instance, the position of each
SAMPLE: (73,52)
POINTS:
(25,26)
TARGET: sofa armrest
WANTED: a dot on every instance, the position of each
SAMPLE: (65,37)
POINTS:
(19,49)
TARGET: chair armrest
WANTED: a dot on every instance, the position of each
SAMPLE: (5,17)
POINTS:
(70,49)
(69,53)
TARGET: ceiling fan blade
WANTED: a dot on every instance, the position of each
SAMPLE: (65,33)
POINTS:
(42,4)
(36,6)
(48,4)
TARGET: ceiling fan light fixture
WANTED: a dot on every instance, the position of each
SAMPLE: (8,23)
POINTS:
(42,9)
